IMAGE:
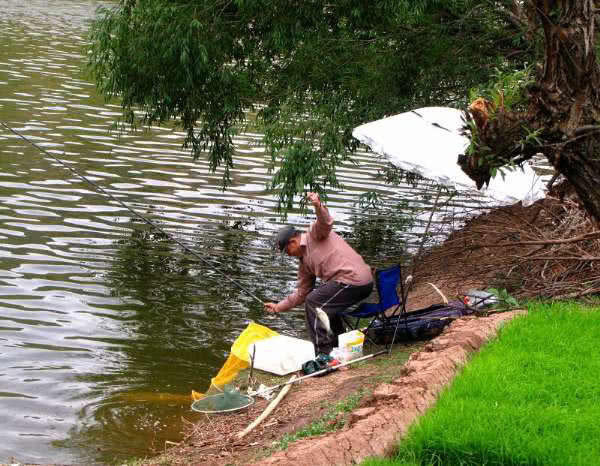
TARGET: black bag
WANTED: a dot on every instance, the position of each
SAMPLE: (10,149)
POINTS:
(421,324)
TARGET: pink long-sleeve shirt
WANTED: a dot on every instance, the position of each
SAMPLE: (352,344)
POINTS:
(326,255)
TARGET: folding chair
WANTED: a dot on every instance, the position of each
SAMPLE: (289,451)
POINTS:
(386,281)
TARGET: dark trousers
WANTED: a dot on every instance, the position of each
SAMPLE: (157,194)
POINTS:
(332,297)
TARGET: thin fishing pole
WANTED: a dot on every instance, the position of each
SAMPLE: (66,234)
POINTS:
(327,370)
(414,264)
(122,204)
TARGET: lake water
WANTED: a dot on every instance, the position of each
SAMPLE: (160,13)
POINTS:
(99,314)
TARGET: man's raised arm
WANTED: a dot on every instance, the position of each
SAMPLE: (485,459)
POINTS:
(322,227)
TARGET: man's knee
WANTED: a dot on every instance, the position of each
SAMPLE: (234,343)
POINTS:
(311,301)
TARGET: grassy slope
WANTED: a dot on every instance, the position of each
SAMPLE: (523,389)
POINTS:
(532,397)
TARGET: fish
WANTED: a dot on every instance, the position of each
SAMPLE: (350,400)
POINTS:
(324,318)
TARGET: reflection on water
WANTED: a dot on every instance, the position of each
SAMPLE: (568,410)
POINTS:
(94,305)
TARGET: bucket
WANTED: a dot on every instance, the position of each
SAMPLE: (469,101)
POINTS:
(351,344)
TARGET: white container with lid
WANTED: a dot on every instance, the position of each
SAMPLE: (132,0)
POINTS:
(281,354)
(352,344)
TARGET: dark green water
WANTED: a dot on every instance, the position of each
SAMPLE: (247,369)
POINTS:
(98,312)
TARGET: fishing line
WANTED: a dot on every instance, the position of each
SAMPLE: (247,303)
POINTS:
(134,212)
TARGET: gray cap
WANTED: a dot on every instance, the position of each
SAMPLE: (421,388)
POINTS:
(283,236)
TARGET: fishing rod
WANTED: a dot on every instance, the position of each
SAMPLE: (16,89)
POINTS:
(327,370)
(134,212)
(404,290)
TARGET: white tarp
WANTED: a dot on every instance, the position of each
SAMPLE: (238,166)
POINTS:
(427,141)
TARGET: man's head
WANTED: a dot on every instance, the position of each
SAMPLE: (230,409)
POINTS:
(288,240)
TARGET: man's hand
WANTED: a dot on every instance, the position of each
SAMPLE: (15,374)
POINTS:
(313,198)
(271,307)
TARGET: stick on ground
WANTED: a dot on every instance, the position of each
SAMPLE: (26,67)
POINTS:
(267,411)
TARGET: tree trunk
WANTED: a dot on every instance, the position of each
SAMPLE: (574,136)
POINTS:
(570,81)
(569,95)
(582,170)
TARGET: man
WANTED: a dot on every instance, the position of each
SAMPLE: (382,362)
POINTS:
(323,253)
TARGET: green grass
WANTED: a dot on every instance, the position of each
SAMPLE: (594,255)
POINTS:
(334,419)
(531,397)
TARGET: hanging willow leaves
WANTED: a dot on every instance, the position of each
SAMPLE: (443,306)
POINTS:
(302,73)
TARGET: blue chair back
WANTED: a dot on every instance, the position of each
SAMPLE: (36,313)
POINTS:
(387,282)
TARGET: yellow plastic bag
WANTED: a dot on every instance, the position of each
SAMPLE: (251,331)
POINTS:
(238,359)
(229,371)
(253,333)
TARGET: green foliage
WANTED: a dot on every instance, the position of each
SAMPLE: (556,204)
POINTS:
(528,398)
(395,175)
(307,72)
(505,299)
(382,234)
(505,89)
(532,138)
(369,200)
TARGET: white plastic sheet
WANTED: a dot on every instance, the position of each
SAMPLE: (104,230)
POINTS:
(427,141)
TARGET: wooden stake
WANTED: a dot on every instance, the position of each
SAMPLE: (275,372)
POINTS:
(267,411)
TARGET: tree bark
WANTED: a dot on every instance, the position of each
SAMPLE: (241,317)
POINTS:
(570,88)
(581,167)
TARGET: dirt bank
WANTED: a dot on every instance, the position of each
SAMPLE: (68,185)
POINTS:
(547,250)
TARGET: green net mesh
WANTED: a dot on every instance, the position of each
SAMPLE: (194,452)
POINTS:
(229,400)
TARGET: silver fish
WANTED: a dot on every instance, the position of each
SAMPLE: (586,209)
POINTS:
(324,318)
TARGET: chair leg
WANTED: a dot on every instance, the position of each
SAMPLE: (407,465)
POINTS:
(398,323)
(348,323)
(355,327)
(366,332)
(387,321)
